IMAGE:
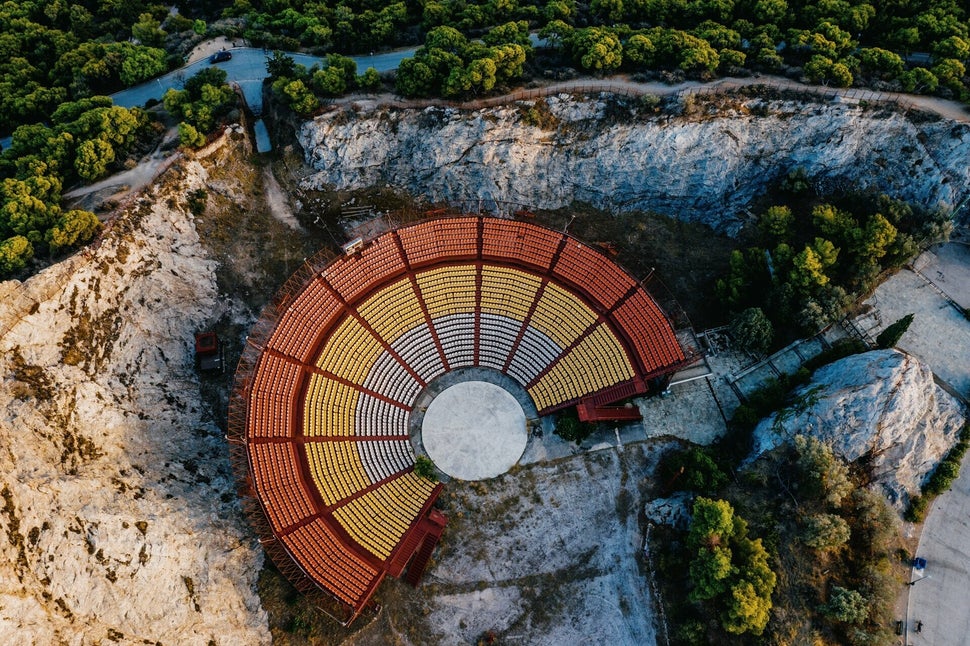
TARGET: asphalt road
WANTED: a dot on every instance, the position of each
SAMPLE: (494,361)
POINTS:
(941,600)
(248,69)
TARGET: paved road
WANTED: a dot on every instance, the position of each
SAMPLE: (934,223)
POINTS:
(942,600)
(248,69)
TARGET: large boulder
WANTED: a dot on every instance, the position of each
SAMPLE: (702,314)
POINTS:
(882,407)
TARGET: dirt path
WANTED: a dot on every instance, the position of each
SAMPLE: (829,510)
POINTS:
(135,179)
(279,206)
(623,85)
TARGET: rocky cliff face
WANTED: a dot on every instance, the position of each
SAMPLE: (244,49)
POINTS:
(883,405)
(704,168)
(119,520)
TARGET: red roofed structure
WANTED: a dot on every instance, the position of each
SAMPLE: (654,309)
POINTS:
(319,413)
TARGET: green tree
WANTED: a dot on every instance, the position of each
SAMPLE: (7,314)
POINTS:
(142,63)
(919,80)
(881,63)
(710,573)
(808,272)
(638,51)
(752,330)
(847,606)
(823,476)
(297,95)
(776,222)
(14,254)
(71,228)
(189,136)
(825,531)
(692,470)
(889,337)
(148,30)
(729,568)
(93,158)
(370,80)
(596,49)
(279,65)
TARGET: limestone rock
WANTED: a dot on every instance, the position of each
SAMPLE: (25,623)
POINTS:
(119,521)
(705,169)
(882,406)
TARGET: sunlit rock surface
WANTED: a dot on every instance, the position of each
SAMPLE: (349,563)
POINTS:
(882,406)
(119,520)
(705,167)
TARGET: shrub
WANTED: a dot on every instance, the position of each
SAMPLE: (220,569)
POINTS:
(825,531)
(752,330)
(692,470)
(846,605)
(424,467)
(569,428)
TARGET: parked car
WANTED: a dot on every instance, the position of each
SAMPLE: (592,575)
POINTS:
(219,57)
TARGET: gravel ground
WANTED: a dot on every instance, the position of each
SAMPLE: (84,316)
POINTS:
(939,335)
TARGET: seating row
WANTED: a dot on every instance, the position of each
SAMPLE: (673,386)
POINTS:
(535,352)
(448,290)
(377,417)
(382,459)
(375,263)
(324,557)
(647,327)
(597,276)
(561,316)
(312,311)
(273,392)
(336,469)
(457,336)
(417,349)
(503,239)
(278,483)
(392,311)
(508,292)
(389,378)
(350,351)
(597,362)
(431,241)
(271,415)
(329,407)
(380,518)
(497,335)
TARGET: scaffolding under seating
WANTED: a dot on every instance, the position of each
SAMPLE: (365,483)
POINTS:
(326,399)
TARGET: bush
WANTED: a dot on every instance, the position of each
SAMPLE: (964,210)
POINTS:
(752,330)
(825,531)
(424,467)
(845,605)
(692,470)
(569,428)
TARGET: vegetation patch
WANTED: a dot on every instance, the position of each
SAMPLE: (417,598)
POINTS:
(942,478)
(812,257)
(823,570)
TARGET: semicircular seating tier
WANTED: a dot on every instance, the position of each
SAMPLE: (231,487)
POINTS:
(328,400)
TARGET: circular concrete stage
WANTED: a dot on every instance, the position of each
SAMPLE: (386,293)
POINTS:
(474,430)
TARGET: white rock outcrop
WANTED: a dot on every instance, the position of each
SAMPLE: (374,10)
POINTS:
(881,405)
(705,169)
(119,521)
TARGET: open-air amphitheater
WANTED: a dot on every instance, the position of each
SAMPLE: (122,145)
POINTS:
(331,377)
